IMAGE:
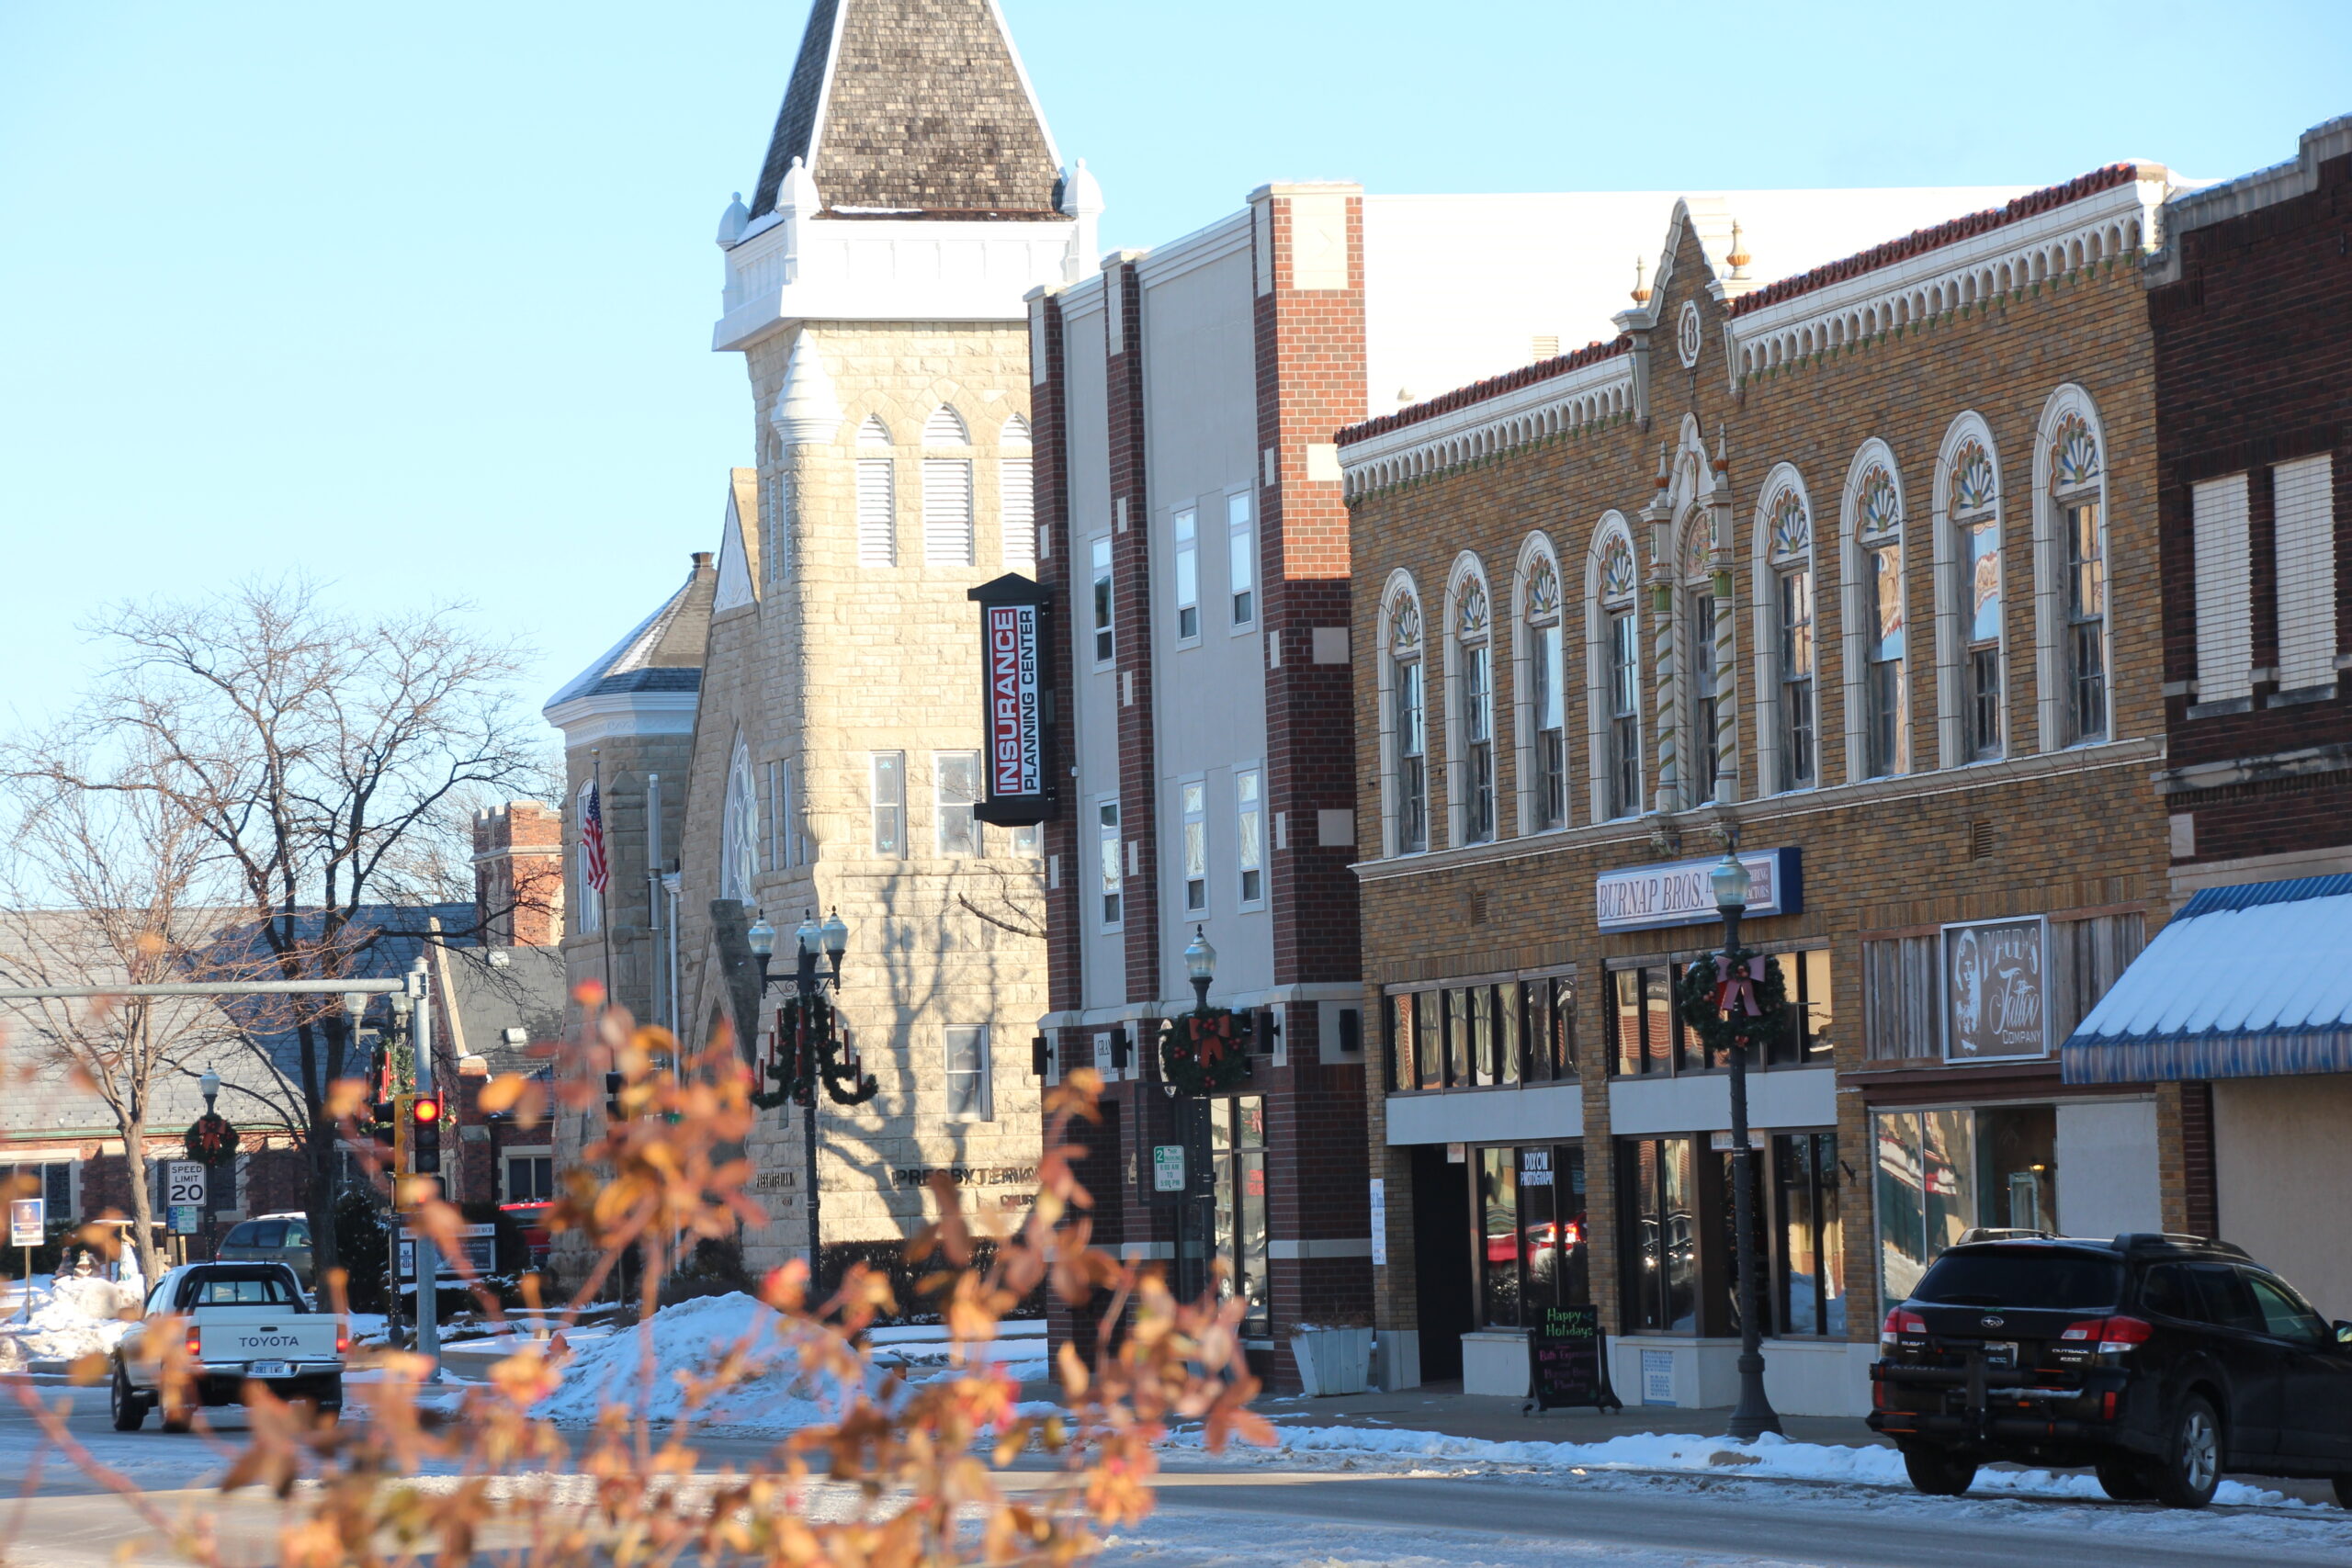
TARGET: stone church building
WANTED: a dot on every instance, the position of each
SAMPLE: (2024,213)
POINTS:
(807,698)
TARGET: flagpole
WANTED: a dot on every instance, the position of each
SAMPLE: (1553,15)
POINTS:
(603,913)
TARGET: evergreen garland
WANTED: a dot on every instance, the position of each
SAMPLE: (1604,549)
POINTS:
(1699,995)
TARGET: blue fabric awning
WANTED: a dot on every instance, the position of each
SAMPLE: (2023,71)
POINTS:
(2252,981)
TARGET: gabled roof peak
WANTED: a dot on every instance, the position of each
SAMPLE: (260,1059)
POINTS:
(912,107)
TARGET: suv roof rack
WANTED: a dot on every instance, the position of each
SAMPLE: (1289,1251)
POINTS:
(1990,1232)
(2142,1241)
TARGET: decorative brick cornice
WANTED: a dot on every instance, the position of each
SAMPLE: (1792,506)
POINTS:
(1480,391)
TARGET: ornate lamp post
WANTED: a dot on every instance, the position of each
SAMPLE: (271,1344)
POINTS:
(1754,1416)
(808,1045)
(1200,962)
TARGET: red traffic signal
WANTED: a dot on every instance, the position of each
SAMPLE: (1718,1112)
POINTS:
(428,1111)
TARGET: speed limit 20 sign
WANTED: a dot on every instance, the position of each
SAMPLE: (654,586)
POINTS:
(184,1179)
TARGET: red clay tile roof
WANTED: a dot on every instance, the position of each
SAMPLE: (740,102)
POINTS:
(1920,241)
(1478,391)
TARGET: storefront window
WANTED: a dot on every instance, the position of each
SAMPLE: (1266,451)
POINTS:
(1941,1173)
(1658,1247)
(1531,1232)
(1811,1287)
(1647,1035)
(1237,1151)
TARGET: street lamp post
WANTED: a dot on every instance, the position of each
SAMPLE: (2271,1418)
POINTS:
(1194,1222)
(209,1084)
(1754,1416)
(831,939)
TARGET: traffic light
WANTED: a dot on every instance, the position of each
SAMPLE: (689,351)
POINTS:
(424,1135)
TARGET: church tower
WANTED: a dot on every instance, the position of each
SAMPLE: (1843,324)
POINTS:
(910,195)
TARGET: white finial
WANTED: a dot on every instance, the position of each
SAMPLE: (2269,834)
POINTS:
(734,221)
(798,194)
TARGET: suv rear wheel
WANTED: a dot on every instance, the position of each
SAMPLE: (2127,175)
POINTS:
(1938,1473)
(2191,1466)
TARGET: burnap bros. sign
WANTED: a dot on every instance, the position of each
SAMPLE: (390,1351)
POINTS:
(1012,704)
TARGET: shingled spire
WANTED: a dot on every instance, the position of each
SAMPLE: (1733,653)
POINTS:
(912,106)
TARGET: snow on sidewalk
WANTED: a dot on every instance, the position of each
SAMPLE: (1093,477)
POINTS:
(1769,1458)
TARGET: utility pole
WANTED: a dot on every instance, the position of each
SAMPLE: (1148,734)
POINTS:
(429,1252)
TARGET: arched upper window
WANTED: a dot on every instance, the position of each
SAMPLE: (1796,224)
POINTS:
(1613,670)
(944,428)
(1016,488)
(2071,531)
(1786,656)
(1470,656)
(738,829)
(1878,712)
(1541,692)
(1704,627)
(1404,719)
(878,524)
(1973,647)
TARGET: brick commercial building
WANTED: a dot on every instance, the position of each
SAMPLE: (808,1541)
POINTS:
(1197,550)
(2244,1002)
(1623,608)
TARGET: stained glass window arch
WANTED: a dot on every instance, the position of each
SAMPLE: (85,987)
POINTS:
(1616,569)
(1405,624)
(1470,613)
(1974,483)
(738,830)
(1790,525)
(2073,454)
(1542,588)
(1879,507)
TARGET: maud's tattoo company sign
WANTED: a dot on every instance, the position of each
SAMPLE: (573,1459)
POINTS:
(1682,892)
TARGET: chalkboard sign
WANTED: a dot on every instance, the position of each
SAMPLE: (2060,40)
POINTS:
(1568,1360)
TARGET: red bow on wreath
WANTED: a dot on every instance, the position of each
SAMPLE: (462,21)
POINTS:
(1739,985)
(1213,1035)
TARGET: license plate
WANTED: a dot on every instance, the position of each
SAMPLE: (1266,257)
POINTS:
(2000,1352)
(269,1369)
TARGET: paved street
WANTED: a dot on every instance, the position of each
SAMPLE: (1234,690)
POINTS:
(1347,1512)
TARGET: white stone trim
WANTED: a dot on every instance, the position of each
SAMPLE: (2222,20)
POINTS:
(1537,547)
(1859,615)
(2050,688)
(887,269)
(2121,221)
(1572,400)
(1951,587)
(585,720)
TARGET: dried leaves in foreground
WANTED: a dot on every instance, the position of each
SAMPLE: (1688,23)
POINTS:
(881,1473)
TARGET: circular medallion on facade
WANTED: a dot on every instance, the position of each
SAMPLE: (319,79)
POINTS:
(1688,334)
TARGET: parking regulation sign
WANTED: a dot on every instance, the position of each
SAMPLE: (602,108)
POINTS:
(28,1222)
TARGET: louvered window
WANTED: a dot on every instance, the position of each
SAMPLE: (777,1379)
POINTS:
(2304,496)
(1017,499)
(876,541)
(946,511)
(2224,614)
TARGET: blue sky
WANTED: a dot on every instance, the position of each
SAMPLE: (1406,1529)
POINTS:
(417,297)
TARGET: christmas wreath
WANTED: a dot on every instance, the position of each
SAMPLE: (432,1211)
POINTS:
(211,1141)
(1205,1052)
(805,1047)
(1732,1000)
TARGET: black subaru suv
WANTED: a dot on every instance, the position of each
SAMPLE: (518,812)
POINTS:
(2159,1360)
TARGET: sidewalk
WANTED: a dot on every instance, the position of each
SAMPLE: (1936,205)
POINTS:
(1443,1407)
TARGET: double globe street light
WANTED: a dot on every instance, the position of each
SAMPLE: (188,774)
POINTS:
(1754,1414)
(814,1052)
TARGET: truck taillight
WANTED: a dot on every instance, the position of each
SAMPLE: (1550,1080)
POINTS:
(342,1339)
(2107,1336)
(1900,1322)
(195,1343)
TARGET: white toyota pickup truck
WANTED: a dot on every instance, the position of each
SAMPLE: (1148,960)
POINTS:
(245,1322)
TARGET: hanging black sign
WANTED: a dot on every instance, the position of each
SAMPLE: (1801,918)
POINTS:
(1014,699)
(1568,1360)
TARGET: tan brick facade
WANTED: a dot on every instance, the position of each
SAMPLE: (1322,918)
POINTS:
(2067,831)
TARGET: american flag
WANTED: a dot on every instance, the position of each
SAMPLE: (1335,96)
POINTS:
(592,837)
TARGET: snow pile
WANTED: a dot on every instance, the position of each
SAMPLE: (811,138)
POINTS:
(1770,1457)
(922,1352)
(72,1318)
(690,1340)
